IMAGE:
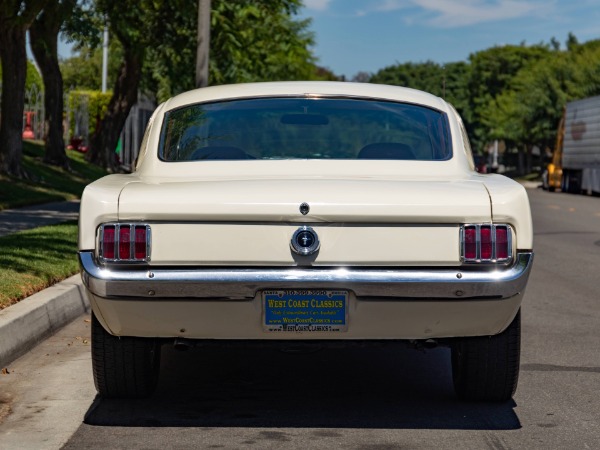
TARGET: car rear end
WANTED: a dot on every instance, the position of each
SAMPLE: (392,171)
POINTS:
(305,217)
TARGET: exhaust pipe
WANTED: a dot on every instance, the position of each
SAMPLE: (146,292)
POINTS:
(182,344)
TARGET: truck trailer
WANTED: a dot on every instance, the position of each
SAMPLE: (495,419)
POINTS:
(575,165)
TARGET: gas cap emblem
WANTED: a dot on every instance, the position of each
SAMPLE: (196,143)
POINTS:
(305,241)
(304,208)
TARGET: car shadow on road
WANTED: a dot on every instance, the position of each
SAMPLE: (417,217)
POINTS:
(391,387)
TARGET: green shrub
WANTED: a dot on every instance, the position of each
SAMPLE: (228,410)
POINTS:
(97,107)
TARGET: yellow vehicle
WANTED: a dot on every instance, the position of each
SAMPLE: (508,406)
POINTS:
(553,179)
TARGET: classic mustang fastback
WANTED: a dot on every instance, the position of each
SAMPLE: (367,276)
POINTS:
(306,211)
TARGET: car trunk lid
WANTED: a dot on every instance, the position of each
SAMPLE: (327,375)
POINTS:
(329,200)
(358,222)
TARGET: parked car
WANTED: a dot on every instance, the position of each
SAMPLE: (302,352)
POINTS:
(303,212)
(480,163)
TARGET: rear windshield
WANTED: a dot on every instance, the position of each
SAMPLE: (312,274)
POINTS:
(305,128)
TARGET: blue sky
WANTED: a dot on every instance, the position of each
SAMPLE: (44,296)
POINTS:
(367,35)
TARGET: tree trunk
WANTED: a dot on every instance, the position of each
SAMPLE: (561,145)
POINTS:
(529,160)
(15,18)
(520,158)
(105,139)
(44,37)
(14,72)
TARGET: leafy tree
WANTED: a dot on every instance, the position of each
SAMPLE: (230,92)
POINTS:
(448,81)
(33,77)
(361,77)
(427,76)
(84,71)
(492,72)
(243,51)
(15,18)
(528,114)
(242,47)
(325,74)
(158,40)
(572,42)
(455,87)
(137,29)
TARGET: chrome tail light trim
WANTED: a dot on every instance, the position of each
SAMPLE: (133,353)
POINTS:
(100,251)
(494,259)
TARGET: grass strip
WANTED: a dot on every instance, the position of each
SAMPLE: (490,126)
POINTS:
(34,259)
(49,183)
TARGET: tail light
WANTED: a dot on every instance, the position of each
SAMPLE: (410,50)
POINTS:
(486,243)
(127,242)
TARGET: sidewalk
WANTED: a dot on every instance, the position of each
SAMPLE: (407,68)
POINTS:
(34,318)
(19,219)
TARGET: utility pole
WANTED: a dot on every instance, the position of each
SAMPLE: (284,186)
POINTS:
(104,58)
(203,43)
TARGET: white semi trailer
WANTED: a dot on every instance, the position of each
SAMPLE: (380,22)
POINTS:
(575,165)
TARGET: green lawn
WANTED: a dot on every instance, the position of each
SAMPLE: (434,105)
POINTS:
(49,183)
(35,259)
(534,176)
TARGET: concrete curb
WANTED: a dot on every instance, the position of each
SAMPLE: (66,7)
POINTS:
(33,319)
(531,184)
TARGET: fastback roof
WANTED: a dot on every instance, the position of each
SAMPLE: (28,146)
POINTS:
(308,88)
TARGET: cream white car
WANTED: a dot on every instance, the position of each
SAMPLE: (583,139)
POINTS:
(306,211)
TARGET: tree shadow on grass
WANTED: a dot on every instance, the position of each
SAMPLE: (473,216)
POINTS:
(41,252)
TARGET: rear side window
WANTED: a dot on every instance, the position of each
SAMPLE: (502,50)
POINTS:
(305,128)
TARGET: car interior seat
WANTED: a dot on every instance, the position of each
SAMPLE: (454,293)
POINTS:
(386,150)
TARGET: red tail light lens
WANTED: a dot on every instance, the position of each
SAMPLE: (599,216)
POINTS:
(502,244)
(108,242)
(140,242)
(126,242)
(486,243)
(470,243)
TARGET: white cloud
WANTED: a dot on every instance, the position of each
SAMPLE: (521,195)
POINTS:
(457,13)
(319,5)
(392,5)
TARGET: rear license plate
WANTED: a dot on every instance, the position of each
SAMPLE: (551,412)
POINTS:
(305,310)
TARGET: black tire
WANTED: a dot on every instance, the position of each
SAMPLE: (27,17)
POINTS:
(564,182)
(486,368)
(123,367)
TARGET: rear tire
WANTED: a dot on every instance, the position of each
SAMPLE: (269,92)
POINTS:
(123,367)
(486,368)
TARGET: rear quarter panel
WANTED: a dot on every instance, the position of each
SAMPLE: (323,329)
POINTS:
(510,204)
(99,204)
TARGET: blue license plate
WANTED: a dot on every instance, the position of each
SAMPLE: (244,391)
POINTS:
(305,310)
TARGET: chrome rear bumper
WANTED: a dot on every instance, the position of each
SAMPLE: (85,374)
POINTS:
(245,283)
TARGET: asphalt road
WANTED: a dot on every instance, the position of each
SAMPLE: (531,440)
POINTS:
(375,398)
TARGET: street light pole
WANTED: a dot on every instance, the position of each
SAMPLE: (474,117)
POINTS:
(104,58)
(203,43)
